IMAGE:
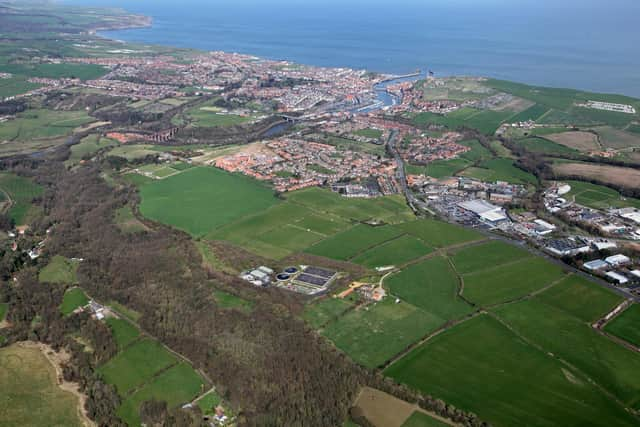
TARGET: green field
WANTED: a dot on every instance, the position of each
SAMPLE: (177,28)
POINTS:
(485,121)
(176,386)
(544,146)
(30,392)
(320,313)
(432,286)
(487,255)
(481,361)
(15,86)
(88,146)
(56,71)
(136,365)
(59,270)
(598,196)
(123,332)
(350,243)
(3,311)
(507,282)
(396,252)
(439,234)
(21,191)
(499,169)
(201,199)
(531,113)
(127,221)
(374,334)
(36,124)
(624,326)
(419,419)
(208,402)
(73,299)
(440,168)
(369,133)
(227,300)
(206,118)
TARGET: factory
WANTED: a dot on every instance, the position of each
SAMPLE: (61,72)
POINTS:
(485,211)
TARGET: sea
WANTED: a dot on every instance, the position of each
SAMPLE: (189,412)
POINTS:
(584,44)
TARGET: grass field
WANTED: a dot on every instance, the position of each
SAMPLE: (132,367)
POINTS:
(127,221)
(3,311)
(440,168)
(201,199)
(439,234)
(532,113)
(59,270)
(21,191)
(206,118)
(396,252)
(56,71)
(430,285)
(88,146)
(328,309)
(481,361)
(227,300)
(125,311)
(123,332)
(374,334)
(176,386)
(544,146)
(485,121)
(15,86)
(419,419)
(507,282)
(35,124)
(624,326)
(73,299)
(598,196)
(499,169)
(613,175)
(350,243)
(136,365)
(369,133)
(486,255)
(208,403)
(30,393)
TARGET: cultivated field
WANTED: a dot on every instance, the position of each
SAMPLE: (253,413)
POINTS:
(396,252)
(614,138)
(73,299)
(123,332)
(625,325)
(21,192)
(30,393)
(482,361)
(326,310)
(499,169)
(352,242)
(624,177)
(60,270)
(577,140)
(439,234)
(598,196)
(201,199)
(487,255)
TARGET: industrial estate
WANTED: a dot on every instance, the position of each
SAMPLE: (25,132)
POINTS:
(210,238)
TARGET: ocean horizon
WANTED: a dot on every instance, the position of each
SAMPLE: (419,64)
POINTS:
(585,45)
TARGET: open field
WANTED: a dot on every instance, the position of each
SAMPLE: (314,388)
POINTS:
(56,71)
(73,298)
(440,168)
(208,402)
(625,325)
(59,270)
(485,121)
(369,133)
(507,282)
(371,335)
(614,138)
(21,191)
(30,393)
(598,196)
(544,146)
(620,176)
(439,234)
(396,252)
(432,286)
(15,86)
(350,243)
(123,332)
(532,113)
(580,298)
(486,255)
(136,365)
(202,117)
(612,366)
(201,199)
(499,169)
(227,300)
(576,140)
(325,310)
(88,146)
(35,124)
(176,386)
(481,361)
(127,221)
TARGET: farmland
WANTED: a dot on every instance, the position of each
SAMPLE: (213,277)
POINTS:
(439,234)
(73,298)
(201,199)
(21,191)
(598,196)
(576,140)
(488,255)
(625,325)
(499,169)
(328,309)
(35,124)
(618,176)
(482,361)
(350,243)
(123,332)
(395,252)
(88,146)
(26,376)
(59,270)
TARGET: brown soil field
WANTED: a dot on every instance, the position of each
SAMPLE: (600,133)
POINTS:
(578,140)
(617,139)
(384,410)
(624,177)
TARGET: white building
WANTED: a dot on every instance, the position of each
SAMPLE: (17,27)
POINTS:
(618,278)
(617,260)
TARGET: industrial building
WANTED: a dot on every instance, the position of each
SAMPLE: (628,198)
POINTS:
(485,211)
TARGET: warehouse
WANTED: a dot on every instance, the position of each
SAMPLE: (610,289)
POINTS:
(485,211)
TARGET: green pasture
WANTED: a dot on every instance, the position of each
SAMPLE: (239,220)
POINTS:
(624,326)
(59,270)
(487,255)
(73,298)
(348,244)
(396,252)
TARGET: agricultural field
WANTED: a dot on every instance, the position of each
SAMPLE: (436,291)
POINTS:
(136,365)
(420,419)
(439,234)
(396,252)
(576,140)
(60,270)
(598,196)
(56,71)
(532,113)
(482,361)
(487,255)
(544,145)
(612,366)
(73,298)
(499,169)
(227,300)
(21,191)
(201,199)
(440,168)
(127,221)
(430,285)
(373,334)
(617,139)
(27,377)
(203,117)
(485,121)
(625,325)
(617,176)
(509,281)
(353,145)
(350,243)
(15,86)
(123,332)
(320,313)
(88,146)
(38,124)
(208,402)
(369,133)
